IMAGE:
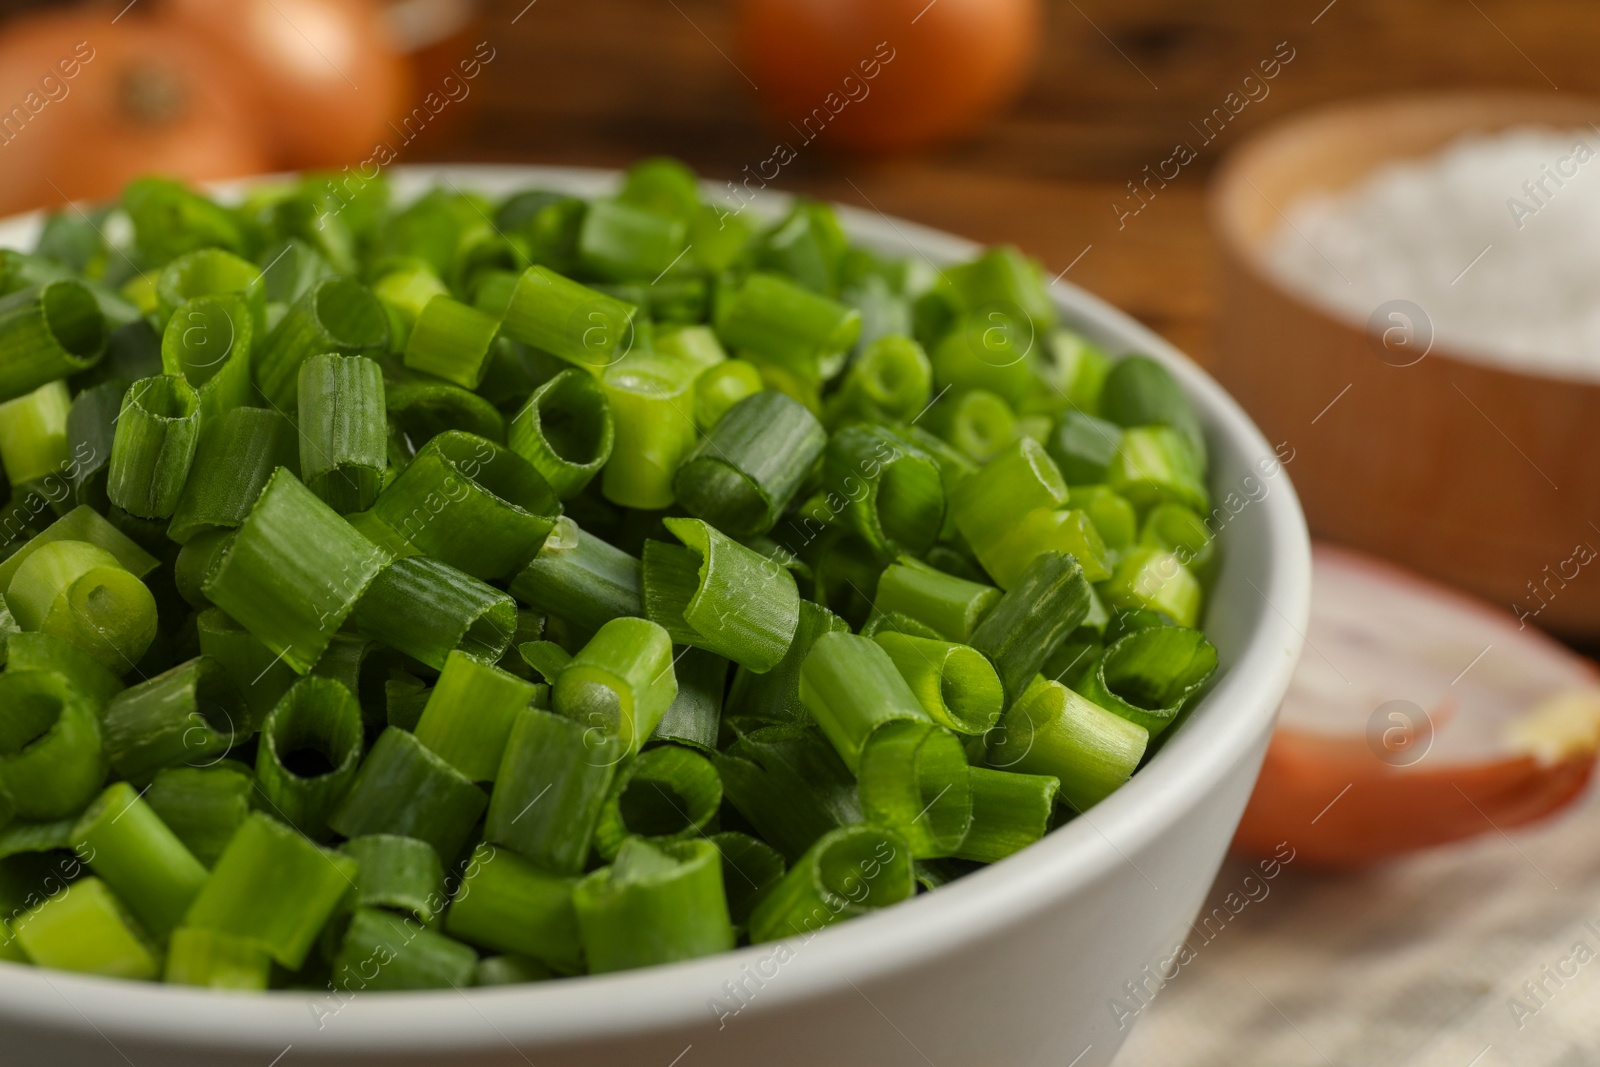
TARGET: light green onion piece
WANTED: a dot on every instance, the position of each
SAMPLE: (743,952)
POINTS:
(781,323)
(571,321)
(1156,579)
(620,242)
(189,714)
(236,454)
(742,477)
(1183,533)
(913,779)
(581,578)
(950,605)
(775,695)
(154,446)
(430,611)
(451,341)
(977,423)
(893,490)
(1065,530)
(1003,277)
(52,761)
(1083,447)
(1009,813)
(553,778)
(655,904)
(404,788)
(213,960)
(400,873)
(125,842)
(1054,731)
(1019,480)
(210,272)
(469,716)
(955,684)
(33,434)
(991,350)
(621,682)
(1140,392)
(1150,675)
(207,343)
(310,749)
(508,904)
(404,292)
(86,929)
(890,381)
(852,688)
(1157,465)
(343,433)
(848,872)
(666,794)
(83,595)
(565,430)
(1112,515)
(652,404)
(203,805)
(47,332)
(83,523)
(84,673)
(1048,602)
(721,386)
(385,951)
(335,315)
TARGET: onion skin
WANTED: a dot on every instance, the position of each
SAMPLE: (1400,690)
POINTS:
(937,77)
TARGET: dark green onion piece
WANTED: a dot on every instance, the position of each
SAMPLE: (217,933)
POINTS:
(83,595)
(721,596)
(508,904)
(851,687)
(33,436)
(1054,731)
(382,950)
(581,578)
(47,332)
(400,873)
(569,320)
(273,888)
(747,470)
(1155,579)
(84,673)
(289,269)
(896,623)
(655,904)
(343,433)
(750,870)
(91,428)
(429,610)
(144,862)
(695,716)
(955,684)
(652,405)
(1111,514)
(621,682)
(212,960)
(666,794)
(913,779)
(890,381)
(451,340)
(470,714)
(894,491)
(791,785)
(1158,465)
(294,572)
(1049,600)
(404,788)
(1083,446)
(258,672)
(1148,676)
(335,315)
(154,446)
(952,606)
(404,697)
(775,695)
(721,386)
(236,454)
(1183,533)
(778,322)
(1138,391)
(553,778)
(86,929)
(1009,813)
(471,503)
(421,409)
(207,343)
(52,761)
(310,749)
(565,431)
(190,714)
(202,805)
(847,872)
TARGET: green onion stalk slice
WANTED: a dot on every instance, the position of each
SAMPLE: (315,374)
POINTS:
(401,873)
(993,350)
(742,477)
(774,696)
(48,331)
(91,429)
(508,904)
(1048,602)
(430,611)
(553,779)
(851,687)
(1183,533)
(1065,530)
(212,960)
(141,860)
(34,435)
(1054,731)
(716,594)
(667,794)
(294,572)
(719,387)
(82,594)
(890,381)
(893,491)
(310,749)
(451,340)
(1009,812)
(620,242)
(977,423)
(194,562)
(620,683)
(652,405)
(154,446)
(1019,480)
(470,714)
(1083,447)
(208,273)
(236,455)
(203,805)
(581,578)
(274,889)
(790,784)
(88,930)
(344,434)
(1140,392)
(570,321)
(471,503)
(335,315)
(847,872)
(1003,276)
(207,343)
(656,903)
(895,623)
(1149,676)
(1154,579)
(695,716)
(190,714)
(422,408)
(955,684)
(258,672)
(404,788)
(1159,465)
(1112,515)
(404,292)
(32,651)
(546,657)
(776,321)
(750,870)
(566,431)
(913,779)
(696,344)
(384,951)
(52,761)
(951,606)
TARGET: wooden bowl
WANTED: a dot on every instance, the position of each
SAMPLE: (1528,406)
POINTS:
(1483,477)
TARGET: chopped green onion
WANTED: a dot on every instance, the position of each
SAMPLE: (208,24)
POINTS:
(1157,465)
(666,794)
(1112,515)
(554,777)
(694,344)
(1054,731)
(1083,447)
(1020,480)
(51,757)
(404,788)
(621,242)
(775,695)
(913,779)
(893,490)
(126,843)
(83,595)
(310,749)
(621,682)
(1003,277)
(695,715)
(750,870)
(86,929)
(992,351)
(451,340)
(289,269)
(546,657)
(213,960)
(655,904)
(1139,392)
(1153,578)
(236,455)
(952,606)
(1009,813)
(977,423)
(508,904)
(720,387)
(890,381)
(652,404)
(1182,532)
(1065,530)
(1049,600)
(335,315)
(400,873)
(207,343)
(742,477)
(578,324)
(404,292)
(191,712)
(258,672)
(154,446)
(851,687)
(84,673)
(777,321)
(47,332)
(581,578)
(429,611)
(1150,675)
(202,805)
(343,434)
(421,408)
(91,428)
(382,950)
(470,714)
(33,434)
(955,684)
(565,430)
(848,872)
(791,785)
(511,969)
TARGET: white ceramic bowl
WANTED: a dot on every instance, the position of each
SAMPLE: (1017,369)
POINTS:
(1013,966)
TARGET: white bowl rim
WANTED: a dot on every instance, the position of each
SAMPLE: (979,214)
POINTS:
(1236,713)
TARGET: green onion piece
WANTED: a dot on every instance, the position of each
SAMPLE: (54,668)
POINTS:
(742,477)
(429,610)
(511,969)
(258,672)
(1150,675)
(791,785)
(20,271)
(581,578)
(91,428)
(289,269)
(955,684)
(207,343)
(508,904)
(546,657)
(774,696)
(420,409)
(1048,602)
(51,757)
(1073,658)
(621,682)
(83,595)
(1139,392)
(170,219)
(652,403)
(1066,530)
(1111,514)
(294,572)
(42,652)
(471,503)
(187,715)
(751,868)
(274,889)
(1054,731)
(404,697)
(777,321)
(1083,446)
(720,387)
(893,490)
(154,446)
(86,929)
(571,321)
(202,805)
(1021,479)
(896,623)
(404,788)
(47,332)
(126,843)
(33,434)
(1002,276)
(977,423)
(212,960)
(1009,813)
(992,351)
(554,777)
(847,872)
(343,431)
(695,716)
(1156,579)
(951,606)
(382,950)
(194,562)
(404,292)
(913,779)
(890,381)
(565,431)
(400,873)
(1158,465)
(1182,532)
(620,242)
(469,716)
(236,455)
(655,904)
(1076,371)
(696,344)
(451,340)
(335,315)
(662,185)
(851,687)
(666,794)
(310,748)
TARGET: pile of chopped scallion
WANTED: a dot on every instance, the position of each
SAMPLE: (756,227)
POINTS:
(474,591)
